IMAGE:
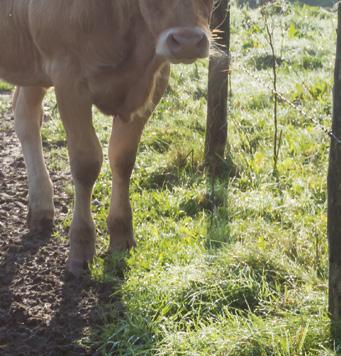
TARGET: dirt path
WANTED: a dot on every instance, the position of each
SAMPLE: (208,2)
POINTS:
(42,310)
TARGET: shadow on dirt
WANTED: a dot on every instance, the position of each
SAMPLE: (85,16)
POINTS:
(42,309)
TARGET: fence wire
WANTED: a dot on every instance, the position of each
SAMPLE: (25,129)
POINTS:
(315,119)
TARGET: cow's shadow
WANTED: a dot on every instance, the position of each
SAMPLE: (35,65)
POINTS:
(79,316)
(13,316)
(46,311)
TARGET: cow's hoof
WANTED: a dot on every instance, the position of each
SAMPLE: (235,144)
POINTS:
(117,245)
(121,234)
(40,222)
(77,268)
(82,248)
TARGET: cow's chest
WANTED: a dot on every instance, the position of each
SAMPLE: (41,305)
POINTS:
(125,91)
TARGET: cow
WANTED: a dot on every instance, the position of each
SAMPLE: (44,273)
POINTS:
(114,54)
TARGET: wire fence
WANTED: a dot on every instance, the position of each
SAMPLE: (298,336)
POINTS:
(314,117)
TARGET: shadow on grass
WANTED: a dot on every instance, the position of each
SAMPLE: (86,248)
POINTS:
(335,332)
(218,232)
(115,318)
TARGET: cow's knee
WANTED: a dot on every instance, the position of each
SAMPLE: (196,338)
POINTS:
(86,158)
(122,165)
(86,169)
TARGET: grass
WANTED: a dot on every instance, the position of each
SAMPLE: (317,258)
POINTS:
(249,277)
(4,87)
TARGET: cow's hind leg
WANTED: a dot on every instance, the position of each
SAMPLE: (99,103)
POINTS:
(123,146)
(86,159)
(28,113)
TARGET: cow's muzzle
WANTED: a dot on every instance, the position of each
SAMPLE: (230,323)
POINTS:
(183,45)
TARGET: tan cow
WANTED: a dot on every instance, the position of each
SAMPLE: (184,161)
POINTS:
(114,54)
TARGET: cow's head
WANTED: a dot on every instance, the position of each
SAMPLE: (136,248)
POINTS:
(180,27)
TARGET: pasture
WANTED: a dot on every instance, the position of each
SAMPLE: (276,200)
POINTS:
(234,268)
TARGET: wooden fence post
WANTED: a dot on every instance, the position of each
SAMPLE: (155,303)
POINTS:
(216,131)
(334,198)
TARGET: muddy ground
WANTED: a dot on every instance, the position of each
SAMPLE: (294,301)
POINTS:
(43,311)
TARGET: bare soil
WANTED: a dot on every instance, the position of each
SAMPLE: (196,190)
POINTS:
(43,311)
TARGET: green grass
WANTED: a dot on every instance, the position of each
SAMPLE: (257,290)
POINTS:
(4,87)
(249,277)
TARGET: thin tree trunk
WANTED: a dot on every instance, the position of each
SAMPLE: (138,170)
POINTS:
(216,132)
(334,198)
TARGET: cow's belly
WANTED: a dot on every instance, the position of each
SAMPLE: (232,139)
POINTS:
(20,61)
(24,77)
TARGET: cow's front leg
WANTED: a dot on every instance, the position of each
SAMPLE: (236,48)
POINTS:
(28,113)
(124,141)
(86,159)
